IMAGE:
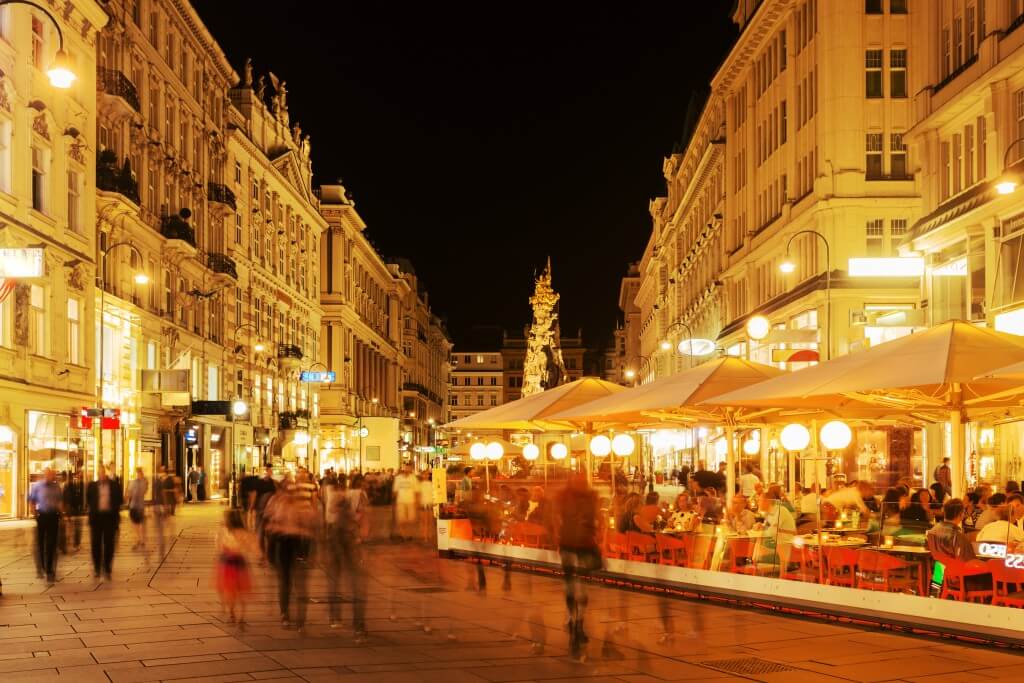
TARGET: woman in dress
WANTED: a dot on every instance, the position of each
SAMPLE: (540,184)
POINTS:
(233,580)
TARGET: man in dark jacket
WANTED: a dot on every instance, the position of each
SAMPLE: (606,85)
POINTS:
(103,498)
(577,509)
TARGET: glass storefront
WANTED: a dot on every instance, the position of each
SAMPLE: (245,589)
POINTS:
(55,442)
(8,471)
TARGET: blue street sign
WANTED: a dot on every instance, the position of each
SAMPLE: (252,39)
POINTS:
(321,376)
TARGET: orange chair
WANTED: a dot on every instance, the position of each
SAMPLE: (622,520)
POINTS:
(615,545)
(840,567)
(531,535)
(741,556)
(880,572)
(701,550)
(641,547)
(804,565)
(954,579)
(1007,584)
(671,550)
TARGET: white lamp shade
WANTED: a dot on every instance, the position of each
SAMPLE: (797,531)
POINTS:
(751,447)
(795,437)
(600,446)
(494,451)
(623,445)
(531,452)
(478,451)
(758,327)
(559,451)
(836,435)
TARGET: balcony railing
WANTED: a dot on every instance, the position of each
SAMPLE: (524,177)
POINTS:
(289,351)
(221,194)
(113,82)
(293,419)
(223,264)
(175,228)
(111,178)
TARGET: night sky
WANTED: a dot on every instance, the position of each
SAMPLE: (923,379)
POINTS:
(477,144)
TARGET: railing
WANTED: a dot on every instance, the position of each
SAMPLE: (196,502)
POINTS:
(422,390)
(222,194)
(289,351)
(110,178)
(294,419)
(113,82)
(222,263)
(174,228)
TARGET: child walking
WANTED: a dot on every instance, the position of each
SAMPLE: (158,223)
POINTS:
(233,580)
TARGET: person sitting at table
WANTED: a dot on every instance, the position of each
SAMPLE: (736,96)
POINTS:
(948,537)
(1003,530)
(939,495)
(777,530)
(709,506)
(916,516)
(1015,503)
(626,520)
(739,517)
(683,517)
(972,510)
(647,516)
(990,510)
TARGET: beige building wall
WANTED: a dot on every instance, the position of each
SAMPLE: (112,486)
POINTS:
(47,198)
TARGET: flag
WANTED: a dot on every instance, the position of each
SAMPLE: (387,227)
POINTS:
(7,286)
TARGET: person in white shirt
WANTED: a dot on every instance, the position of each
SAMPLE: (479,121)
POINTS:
(405,488)
(1002,531)
(749,481)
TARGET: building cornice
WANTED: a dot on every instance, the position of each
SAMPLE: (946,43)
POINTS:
(755,34)
(188,14)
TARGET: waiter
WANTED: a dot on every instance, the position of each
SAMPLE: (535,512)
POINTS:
(104,498)
(45,501)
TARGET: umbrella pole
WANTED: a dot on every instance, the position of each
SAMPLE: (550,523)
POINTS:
(587,457)
(957,460)
(730,461)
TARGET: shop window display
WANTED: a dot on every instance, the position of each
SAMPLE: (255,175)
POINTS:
(8,471)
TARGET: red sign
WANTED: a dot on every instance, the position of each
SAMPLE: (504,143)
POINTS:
(110,418)
(794,355)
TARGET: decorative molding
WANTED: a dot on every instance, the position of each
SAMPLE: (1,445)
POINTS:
(76,279)
(41,127)
(22,294)
(5,101)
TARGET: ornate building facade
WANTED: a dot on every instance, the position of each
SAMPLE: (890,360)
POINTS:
(47,214)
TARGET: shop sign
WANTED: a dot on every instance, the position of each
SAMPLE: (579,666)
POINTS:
(997,550)
(220,408)
(243,435)
(110,418)
(21,262)
(1014,561)
(190,436)
(318,376)
(794,355)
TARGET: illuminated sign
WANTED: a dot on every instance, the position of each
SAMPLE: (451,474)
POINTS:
(957,268)
(886,267)
(794,355)
(1014,561)
(110,418)
(318,376)
(21,262)
(1011,322)
(997,550)
(696,347)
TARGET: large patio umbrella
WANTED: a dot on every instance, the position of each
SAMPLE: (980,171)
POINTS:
(678,397)
(942,369)
(535,411)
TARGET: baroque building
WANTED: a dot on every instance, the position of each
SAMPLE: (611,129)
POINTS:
(47,245)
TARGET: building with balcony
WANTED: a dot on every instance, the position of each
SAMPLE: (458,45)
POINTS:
(426,347)
(47,214)
(477,381)
(361,333)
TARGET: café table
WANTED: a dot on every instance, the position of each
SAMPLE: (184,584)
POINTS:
(831,541)
(913,553)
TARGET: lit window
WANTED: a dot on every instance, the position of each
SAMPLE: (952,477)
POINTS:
(38,41)
(40,171)
(875,234)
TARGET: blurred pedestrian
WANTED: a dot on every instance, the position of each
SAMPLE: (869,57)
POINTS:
(233,580)
(405,489)
(577,510)
(74,502)
(170,494)
(136,495)
(292,518)
(426,506)
(345,557)
(192,479)
(45,499)
(103,498)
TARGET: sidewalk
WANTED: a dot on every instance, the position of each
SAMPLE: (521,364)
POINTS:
(159,619)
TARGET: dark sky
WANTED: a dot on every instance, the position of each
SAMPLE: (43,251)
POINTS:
(476,143)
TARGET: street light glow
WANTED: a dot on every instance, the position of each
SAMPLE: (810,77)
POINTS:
(141,279)
(559,451)
(787,266)
(836,435)
(623,445)
(259,347)
(758,327)
(60,73)
(531,452)
(600,446)
(239,407)
(630,374)
(666,345)
(795,437)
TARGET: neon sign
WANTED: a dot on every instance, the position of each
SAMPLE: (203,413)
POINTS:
(318,376)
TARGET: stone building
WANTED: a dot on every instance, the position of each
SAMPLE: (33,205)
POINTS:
(47,245)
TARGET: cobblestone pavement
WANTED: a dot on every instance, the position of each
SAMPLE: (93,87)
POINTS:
(159,619)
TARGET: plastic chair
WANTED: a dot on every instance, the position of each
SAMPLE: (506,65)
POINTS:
(1007,584)
(741,556)
(880,572)
(531,535)
(641,547)
(804,565)
(955,578)
(671,550)
(840,567)
(616,546)
(701,551)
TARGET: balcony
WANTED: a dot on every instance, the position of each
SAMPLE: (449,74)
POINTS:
(116,179)
(222,199)
(181,238)
(118,97)
(289,354)
(223,267)
(294,419)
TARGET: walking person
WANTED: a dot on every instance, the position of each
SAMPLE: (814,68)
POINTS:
(170,492)
(292,521)
(103,497)
(233,579)
(136,495)
(74,503)
(405,489)
(192,479)
(201,485)
(45,499)
(345,538)
(577,510)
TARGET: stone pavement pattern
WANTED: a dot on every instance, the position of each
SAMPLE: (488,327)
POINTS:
(159,619)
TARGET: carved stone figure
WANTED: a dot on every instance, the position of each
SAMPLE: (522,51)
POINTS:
(261,88)
(247,77)
(297,133)
(282,96)
(21,304)
(542,345)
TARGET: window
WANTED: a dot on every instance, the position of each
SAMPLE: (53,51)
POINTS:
(40,169)
(494,400)
(38,42)
(154,28)
(782,51)
(958,42)
(957,164)
(783,122)
(875,233)
(480,399)
(872,6)
(968,156)
(480,360)
(494,381)
(947,58)
(897,6)
(75,201)
(874,156)
(6,322)
(238,227)
(897,73)
(897,229)
(873,73)
(238,173)
(897,156)
(74,350)
(479,381)
(944,177)
(982,172)
(5,155)
(37,320)
(971,43)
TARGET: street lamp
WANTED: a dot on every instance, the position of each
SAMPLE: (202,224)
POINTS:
(60,73)
(789,266)
(1008,182)
(139,278)
(632,374)
(759,326)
